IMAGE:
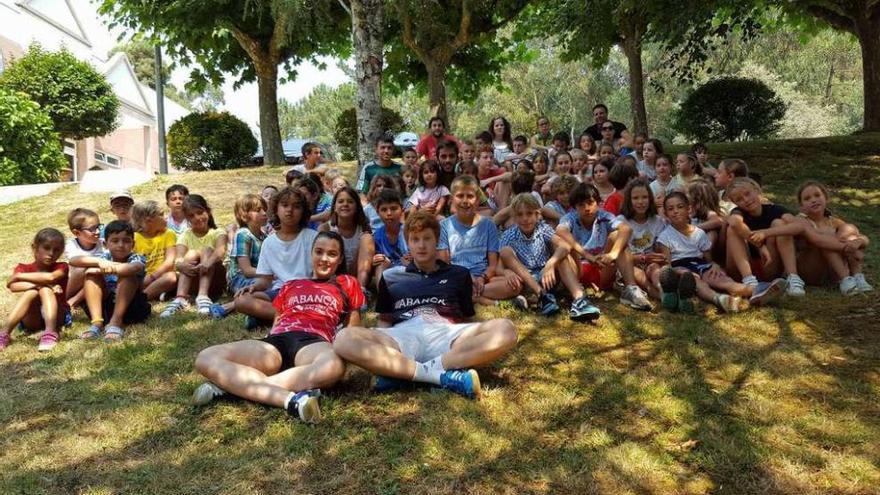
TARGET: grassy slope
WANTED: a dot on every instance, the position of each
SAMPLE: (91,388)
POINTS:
(781,400)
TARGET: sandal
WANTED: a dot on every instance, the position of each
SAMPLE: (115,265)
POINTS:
(113,334)
(48,340)
(92,333)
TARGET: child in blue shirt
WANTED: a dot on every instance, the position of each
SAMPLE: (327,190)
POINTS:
(471,241)
(114,284)
(536,259)
(391,249)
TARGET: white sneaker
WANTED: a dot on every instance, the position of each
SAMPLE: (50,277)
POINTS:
(173,307)
(634,297)
(205,393)
(849,286)
(796,286)
(731,304)
(861,284)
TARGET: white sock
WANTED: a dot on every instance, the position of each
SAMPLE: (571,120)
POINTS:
(429,371)
(750,280)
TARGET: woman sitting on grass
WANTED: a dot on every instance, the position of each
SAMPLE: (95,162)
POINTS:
(287,368)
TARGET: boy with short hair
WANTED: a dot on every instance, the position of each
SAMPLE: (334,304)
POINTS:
(728,169)
(382,165)
(471,240)
(536,260)
(174,197)
(114,284)
(425,330)
(85,226)
(389,239)
(598,240)
(120,204)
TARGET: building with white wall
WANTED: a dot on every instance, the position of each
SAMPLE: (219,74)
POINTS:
(76,26)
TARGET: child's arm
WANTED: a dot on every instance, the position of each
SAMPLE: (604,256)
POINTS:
(624,232)
(794,227)
(215,255)
(738,226)
(165,267)
(713,221)
(37,279)
(321,217)
(441,203)
(566,235)
(493,265)
(179,263)
(502,216)
(92,262)
(506,176)
(127,269)
(550,214)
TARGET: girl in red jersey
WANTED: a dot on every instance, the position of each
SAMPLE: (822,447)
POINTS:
(287,368)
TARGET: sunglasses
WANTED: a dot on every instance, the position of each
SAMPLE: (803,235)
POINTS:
(91,230)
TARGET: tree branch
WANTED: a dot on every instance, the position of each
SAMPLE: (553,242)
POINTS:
(250,45)
(345,7)
(408,38)
(835,19)
(279,34)
(464,27)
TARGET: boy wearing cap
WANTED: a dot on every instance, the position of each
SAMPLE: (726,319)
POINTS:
(120,204)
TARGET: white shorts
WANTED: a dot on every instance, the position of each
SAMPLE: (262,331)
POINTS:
(422,340)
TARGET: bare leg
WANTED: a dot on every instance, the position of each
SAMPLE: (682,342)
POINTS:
(21,308)
(75,279)
(256,305)
(205,280)
(374,352)
(497,290)
(727,285)
(248,369)
(568,273)
(737,255)
(94,290)
(366,251)
(126,288)
(785,247)
(49,309)
(508,256)
(481,344)
(184,282)
(166,282)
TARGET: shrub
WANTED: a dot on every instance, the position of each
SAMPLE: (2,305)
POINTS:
(30,150)
(731,109)
(210,141)
(78,99)
(347,132)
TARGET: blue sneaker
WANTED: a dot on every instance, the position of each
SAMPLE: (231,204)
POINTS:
(217,311)
(582,310)
(548,305)
(68,319)
(463,382)
(305,406)
(387,384)
(766,292)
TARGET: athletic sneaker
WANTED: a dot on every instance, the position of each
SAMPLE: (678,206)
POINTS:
(384,384)
(583,310)
(862,284)
(203,305)
(687,289)
(462,382)
(795,286)
(305,406)
(669,279)
(730,304)
(48,340)
(5,340)
(849,286)
(547,305)
(520,302)
(634,297)
(766,292)
(217,311)
(206,393)
(68,319)
(174,306)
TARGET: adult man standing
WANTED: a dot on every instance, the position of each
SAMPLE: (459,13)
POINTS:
(424,334)
(382,165)
(427,146)
(600,116)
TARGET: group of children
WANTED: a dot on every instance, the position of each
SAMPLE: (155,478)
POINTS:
(528,222)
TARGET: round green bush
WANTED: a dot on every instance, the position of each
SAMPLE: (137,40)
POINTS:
(78,99)
(346,132)
(210,141)
(30,149)
(731,109)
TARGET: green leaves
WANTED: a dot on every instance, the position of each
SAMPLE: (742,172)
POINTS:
(210,141)
(78,99)
(30,150)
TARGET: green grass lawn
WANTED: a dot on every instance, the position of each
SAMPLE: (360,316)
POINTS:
(776,400)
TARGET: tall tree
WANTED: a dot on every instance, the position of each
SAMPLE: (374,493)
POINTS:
(861,18)
(443,35)
(592,28)
(248,38)
(368,37)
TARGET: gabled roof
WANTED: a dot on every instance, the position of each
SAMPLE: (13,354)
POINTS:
(58,13)
(121,76)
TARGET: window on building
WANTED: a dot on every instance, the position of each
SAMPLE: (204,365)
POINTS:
(107,159)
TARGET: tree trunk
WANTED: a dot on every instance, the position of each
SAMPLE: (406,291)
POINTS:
(632,48)
(437,90)
(270,131)
(868,32)
(368,36)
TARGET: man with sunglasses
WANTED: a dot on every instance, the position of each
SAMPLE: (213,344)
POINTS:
(600,116)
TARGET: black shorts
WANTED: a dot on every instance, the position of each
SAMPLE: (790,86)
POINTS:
(138,311)
(289,344)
